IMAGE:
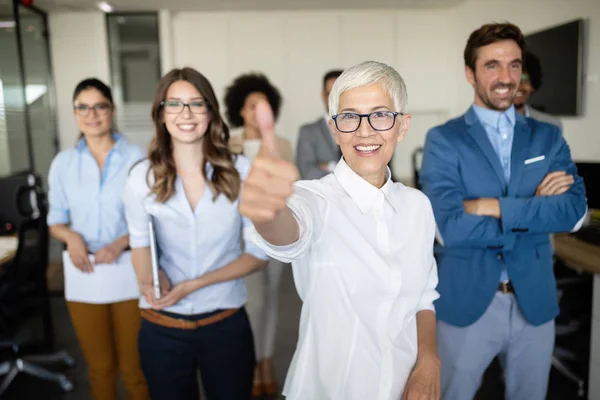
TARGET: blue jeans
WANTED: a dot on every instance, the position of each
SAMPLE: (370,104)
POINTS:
(524,350)
(223,352)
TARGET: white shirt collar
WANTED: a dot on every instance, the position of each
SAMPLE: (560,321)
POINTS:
(362,192)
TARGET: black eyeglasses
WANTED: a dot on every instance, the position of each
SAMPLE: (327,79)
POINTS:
(177,106)
(379,121)
(101,109)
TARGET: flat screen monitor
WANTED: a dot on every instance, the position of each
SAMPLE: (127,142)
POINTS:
(560,50)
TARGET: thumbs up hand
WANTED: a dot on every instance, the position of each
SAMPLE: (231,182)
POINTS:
(270,182)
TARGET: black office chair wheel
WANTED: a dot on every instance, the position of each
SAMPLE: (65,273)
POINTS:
(69,361)
(65,384)
(581,390)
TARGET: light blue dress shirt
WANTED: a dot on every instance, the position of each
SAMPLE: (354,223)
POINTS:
(87,199)
(500,130)
(191,242)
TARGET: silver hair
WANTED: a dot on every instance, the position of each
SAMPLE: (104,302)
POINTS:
(365,74)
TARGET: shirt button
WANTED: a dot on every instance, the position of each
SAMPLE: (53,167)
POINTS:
(499,256)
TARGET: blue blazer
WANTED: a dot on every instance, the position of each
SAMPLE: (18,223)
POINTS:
(459,163)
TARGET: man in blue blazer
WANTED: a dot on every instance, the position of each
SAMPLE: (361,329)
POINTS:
(499,184)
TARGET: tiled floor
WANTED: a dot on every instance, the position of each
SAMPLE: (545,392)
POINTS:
(26,388)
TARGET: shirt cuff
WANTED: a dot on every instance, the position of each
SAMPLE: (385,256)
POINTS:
(57,217)
(255,252)
(427,300)
(138,240)
(281,253)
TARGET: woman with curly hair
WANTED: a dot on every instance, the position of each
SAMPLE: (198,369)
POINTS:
(189,188)
(241,98)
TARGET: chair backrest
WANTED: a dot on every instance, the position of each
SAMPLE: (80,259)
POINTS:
(23,286)
(417,157)
(20,199)
(31,259)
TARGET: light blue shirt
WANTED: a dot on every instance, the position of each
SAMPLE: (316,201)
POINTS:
(191,242)
(87,199)
(500,130)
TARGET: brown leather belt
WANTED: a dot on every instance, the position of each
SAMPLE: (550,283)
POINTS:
(164,320)
(506,287)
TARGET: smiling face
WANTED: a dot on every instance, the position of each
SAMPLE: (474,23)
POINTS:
(94,113)
(185,126)
(497,74)
(367,151)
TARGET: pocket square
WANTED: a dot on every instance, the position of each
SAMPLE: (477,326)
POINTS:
(534,159)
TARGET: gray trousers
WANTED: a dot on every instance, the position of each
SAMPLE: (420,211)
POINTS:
(524,350)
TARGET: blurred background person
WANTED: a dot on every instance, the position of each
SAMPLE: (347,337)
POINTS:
(317,153)
(241,99)
(86,213)
(531,81)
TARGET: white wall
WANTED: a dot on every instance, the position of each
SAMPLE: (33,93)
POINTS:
(79,50)
(295,49)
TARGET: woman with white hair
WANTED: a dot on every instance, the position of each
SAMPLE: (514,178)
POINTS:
(361,248)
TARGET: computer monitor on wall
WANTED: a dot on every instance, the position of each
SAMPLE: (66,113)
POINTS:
(561,50)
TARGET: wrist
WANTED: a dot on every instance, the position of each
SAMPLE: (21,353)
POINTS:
(428,356)
(70,237)
(489,207)
(119,245)
(193,285)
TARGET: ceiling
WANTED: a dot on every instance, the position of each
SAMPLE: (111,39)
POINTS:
(240,5)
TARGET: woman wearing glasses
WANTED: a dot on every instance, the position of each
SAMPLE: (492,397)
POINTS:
(361,248)
(189,188)
(86,213)
(241,99)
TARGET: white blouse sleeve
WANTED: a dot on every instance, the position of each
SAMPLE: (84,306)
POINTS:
(136,189)
(306,210)
(429,294)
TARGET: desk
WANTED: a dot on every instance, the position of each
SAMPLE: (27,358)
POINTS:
(8,248)
(577,253)
(585,257)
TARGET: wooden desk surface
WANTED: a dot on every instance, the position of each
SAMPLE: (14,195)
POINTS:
(577,253)
(8,248)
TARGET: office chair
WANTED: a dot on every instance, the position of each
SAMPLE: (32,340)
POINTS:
(23,296)
(417,158)
(569,322)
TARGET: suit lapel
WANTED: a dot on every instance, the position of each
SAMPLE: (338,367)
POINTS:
(520,145)
(477,132)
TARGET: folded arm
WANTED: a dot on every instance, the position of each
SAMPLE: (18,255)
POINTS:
(440,179)
(548,214)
